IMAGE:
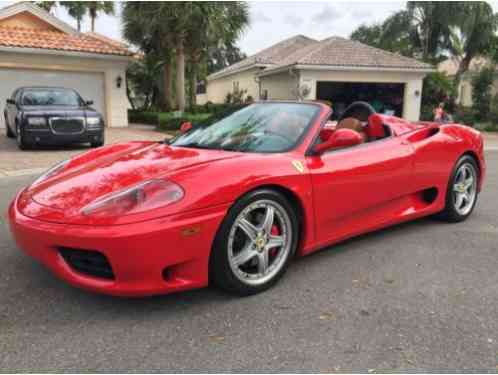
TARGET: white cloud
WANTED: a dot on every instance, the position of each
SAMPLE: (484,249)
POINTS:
(260,16)
(293,20)
(326,15)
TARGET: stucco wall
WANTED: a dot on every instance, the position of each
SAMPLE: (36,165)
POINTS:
(412,81)
(116,101)
(281,86)
(465,90)
(217,89)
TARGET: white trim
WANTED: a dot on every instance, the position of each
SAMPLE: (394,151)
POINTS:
(343,68)
(37,12)
(222,74)
(58,52)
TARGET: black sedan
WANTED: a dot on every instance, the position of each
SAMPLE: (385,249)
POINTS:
(52,116)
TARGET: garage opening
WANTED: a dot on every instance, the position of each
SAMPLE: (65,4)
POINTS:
(386,98)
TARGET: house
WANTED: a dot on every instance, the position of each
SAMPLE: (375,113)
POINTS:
(464,93)
(37,49)
(335,69)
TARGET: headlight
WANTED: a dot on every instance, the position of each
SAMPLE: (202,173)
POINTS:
(37,121)
(142,197)
(93,122)
(51,172)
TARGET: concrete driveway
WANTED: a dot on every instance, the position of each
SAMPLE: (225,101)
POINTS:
(416,297)
(14,162)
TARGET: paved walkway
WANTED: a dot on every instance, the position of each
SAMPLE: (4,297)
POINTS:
(14,162)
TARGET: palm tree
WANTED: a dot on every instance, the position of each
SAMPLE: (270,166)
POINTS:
(76,9)
(475,34)
(150,35)
(94,7)
(46,5)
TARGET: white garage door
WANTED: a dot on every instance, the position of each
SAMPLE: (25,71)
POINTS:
(89,85)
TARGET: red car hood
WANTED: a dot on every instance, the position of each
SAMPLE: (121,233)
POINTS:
(90,176)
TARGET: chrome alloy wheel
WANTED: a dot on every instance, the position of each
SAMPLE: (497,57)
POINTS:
(464,188)
(259,242)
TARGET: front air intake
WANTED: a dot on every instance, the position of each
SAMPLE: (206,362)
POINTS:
(88,262)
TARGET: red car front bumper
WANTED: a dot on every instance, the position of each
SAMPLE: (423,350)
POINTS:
(154,257)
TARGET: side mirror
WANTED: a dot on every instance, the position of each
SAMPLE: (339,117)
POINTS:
(89,102)
(185,127)
(339,139)
(11,101)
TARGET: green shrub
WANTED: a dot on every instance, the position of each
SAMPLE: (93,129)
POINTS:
(481,92)
(464,115)
(199,116)
(141,117)
(437,88)
(493,112)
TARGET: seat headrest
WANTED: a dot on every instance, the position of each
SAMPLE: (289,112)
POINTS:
(375,127)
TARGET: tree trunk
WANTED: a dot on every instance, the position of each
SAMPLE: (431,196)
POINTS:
(462,68)
(168,85)
(93,24)
(180,76)
(78,21)
(193,84)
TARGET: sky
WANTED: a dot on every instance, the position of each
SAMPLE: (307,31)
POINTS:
(273,21)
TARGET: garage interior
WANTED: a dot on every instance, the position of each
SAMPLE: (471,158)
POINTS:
(386,98)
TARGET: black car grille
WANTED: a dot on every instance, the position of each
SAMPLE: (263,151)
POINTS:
(89,262)
(67,125)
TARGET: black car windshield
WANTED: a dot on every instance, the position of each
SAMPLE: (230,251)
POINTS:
(43,97)
(261,127)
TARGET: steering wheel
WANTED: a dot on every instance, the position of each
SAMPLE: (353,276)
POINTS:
(358,110)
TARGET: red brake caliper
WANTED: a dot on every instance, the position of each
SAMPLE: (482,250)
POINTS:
(274,232)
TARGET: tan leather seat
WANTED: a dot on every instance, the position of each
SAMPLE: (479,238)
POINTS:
(353,124)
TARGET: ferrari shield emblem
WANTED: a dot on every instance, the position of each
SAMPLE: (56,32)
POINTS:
(298,165)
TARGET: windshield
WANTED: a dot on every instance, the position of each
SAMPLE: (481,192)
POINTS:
(264,127)
(61,97)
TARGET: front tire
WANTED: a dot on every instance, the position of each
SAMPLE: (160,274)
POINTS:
(8,131)
(21,142)
(255,243)
(461,195)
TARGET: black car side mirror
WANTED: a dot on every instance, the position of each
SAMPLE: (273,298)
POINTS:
(89,102)
(11,101)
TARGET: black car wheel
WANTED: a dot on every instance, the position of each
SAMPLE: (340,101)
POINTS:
(97,144)
(255,243)
(8,131)
(21,142)
(461,196)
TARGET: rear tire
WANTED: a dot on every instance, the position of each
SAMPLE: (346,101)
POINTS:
(254,244)
(96,144)
(461,195)
(8,131)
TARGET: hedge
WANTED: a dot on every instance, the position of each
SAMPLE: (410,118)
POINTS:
(168,121)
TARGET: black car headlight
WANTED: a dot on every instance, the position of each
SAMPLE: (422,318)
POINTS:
(93,123)
(36,123)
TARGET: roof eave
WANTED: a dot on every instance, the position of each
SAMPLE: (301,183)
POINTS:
(38,12)
(58,52)
(343,68)
(222,74)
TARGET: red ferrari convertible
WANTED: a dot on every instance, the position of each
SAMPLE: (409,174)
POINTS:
(233,202)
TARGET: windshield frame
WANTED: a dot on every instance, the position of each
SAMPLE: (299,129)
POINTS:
(81,102)
(292,147)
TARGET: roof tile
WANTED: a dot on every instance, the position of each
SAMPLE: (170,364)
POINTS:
(55,40)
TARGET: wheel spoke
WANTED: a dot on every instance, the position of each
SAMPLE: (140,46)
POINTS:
(456,187)
(468,183)
(263,262)
(249,229)
(246,254)
(275,241)
(459,200)
(268,220)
